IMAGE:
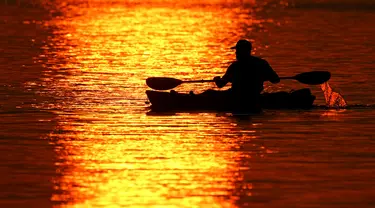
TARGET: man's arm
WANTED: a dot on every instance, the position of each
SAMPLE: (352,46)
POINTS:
(221,82)
(271,75)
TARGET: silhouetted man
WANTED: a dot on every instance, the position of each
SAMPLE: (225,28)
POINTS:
(247,75)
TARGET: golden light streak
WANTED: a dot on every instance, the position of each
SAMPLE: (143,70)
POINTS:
(111,156)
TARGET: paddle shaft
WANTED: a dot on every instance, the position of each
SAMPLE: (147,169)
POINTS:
(197,81)
(165,83)
(201,81)
(288,77)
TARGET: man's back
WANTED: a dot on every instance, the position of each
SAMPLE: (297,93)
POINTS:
(247,76)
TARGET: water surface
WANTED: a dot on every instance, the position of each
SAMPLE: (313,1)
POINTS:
(75,129)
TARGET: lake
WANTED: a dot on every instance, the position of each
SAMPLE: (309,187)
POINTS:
(75,128)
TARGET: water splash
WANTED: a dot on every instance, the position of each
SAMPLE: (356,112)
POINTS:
(333,99)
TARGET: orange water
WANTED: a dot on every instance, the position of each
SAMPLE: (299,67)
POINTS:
(74,125)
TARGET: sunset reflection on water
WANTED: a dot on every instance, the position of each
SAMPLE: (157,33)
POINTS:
(109,151)
(80,117)
(156,167)
(104,162)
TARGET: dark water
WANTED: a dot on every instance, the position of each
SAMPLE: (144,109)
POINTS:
(74,128)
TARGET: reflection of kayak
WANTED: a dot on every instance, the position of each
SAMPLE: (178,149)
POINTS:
(217,101)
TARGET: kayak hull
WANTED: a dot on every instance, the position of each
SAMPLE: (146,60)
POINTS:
(218,100)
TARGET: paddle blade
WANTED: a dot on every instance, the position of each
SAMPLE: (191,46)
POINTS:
(162,83)
(314,77)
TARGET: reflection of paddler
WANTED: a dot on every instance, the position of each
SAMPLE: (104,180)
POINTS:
(247,75)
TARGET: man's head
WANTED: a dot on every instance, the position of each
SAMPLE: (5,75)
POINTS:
(243,49)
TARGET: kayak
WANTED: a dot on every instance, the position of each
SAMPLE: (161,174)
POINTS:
(218,100)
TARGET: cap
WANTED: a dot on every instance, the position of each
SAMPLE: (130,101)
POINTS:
(242,45)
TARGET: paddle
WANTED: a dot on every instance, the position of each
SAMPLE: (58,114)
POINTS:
(166,83)
(311,78)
